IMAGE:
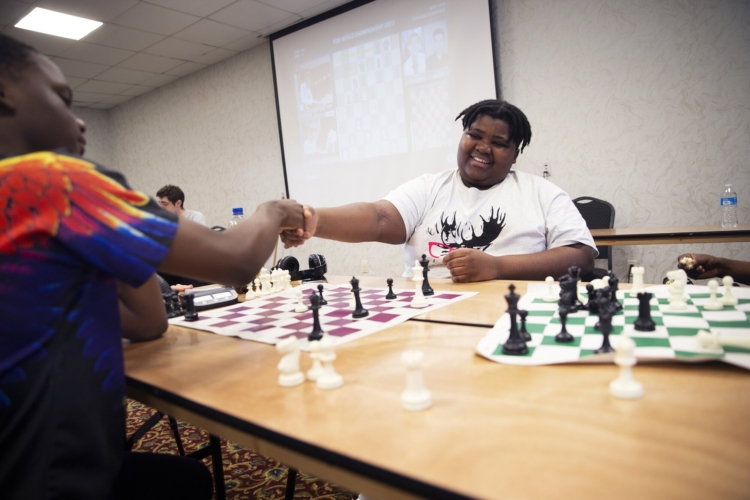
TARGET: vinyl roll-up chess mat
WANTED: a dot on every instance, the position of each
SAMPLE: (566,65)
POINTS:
(675,336)
(272,318)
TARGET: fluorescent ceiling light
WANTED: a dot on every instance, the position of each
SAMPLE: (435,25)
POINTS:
(58,24)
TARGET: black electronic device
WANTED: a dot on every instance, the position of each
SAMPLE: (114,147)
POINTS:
(316,262)
(212,298)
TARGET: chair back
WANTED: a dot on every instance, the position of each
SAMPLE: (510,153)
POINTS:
(598,214)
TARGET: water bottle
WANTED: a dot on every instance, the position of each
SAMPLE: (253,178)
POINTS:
(237,217)
(728,207)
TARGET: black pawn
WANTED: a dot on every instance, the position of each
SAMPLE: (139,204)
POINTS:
(190,313)
(605,327)
(564,335)
(614,283)
(323,301)
(525,335)
(591,305)
(390,295)
(514,346)
(317,331)
(359,311)
(426,288)
(643,322)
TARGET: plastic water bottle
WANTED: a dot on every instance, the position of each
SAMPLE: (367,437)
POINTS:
(237,217)
(728,207)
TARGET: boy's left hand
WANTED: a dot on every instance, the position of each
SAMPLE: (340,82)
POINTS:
(467,265)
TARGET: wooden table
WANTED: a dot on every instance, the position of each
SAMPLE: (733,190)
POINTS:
(495,431)
(670,235)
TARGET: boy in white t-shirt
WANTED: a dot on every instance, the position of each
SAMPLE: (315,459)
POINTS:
(480,222)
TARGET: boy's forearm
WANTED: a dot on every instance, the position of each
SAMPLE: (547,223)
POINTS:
(142,312)
(361,222)
(554,262)
(739,270)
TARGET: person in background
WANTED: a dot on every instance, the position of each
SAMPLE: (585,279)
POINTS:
(700,266)
(439,58)
(172,199)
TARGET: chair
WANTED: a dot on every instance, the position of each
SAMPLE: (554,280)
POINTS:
(598,214)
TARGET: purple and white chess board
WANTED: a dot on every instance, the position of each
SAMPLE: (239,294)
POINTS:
(273,318)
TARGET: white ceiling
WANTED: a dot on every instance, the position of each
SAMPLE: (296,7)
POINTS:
(146,44)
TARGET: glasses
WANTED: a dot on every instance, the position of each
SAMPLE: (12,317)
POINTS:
(437,249)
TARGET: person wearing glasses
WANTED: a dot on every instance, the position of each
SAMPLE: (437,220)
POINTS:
(478,222)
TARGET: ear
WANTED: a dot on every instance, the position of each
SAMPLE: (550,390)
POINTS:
(7,108)
(178,203)
(515,156)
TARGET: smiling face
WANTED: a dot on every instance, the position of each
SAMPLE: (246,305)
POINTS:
(40,101)
(486,153)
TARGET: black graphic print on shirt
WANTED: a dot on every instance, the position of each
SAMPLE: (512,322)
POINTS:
(454,234)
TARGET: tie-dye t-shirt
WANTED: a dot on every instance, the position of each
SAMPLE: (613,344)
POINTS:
(68,231)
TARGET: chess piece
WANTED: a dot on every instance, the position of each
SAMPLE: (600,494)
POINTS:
(713,303)
(625,386)
(575,276)
(568,292)
(190,313)
(317,331)
(728,299)
(644,322)
(614,283)
(637,281)
(605,324)
(592,305)
(390,295)
(418,301)
(323,302)
(525,335)
(514,346)
(289,365)
(256,289)
(550,296)
(359,311)
(426,288)
(265,282)
(317,367)
(564,335)
(415,397)
(715,340)
(300,306)
(676,292)
(328,378)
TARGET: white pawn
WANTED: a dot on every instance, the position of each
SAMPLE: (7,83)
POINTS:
(418,301)
(289,365)
(713,303)
(287,280)
(415,397)
(728,299)
(328,379)
(676,299)
(625,386)
(300,306)
(265,282)
(317,368)
(550,296)
(637,281)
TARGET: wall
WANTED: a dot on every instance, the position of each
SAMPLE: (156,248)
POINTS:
(645,104)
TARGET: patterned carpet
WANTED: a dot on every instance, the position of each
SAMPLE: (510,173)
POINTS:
(247,475)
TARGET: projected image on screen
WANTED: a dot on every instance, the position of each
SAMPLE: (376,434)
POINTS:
(367,98)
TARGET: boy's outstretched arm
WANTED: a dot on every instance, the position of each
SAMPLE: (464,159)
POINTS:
(142,312)
(235,256)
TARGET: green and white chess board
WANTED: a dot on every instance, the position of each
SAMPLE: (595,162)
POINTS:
(673,339)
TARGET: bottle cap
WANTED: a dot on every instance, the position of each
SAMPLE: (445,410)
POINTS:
(237,211)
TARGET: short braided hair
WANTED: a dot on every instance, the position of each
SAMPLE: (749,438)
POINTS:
(518,124)
(14,55)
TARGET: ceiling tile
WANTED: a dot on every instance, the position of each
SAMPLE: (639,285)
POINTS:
(155,19)
(117,99)
(212,33)
(97,10)
(79,68)
(89,97)
(74,82)
(124,75)
(150,63)
(200,8)
(102,105)
(280,25)
(247,42)
(295,6)
(99,54)
(104,87)
(160,80)
(179,49)
(46,44)
(323,7)
(251,15)
(13,11)
(186,69)
(215,56)
(137,90)
(120,37)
